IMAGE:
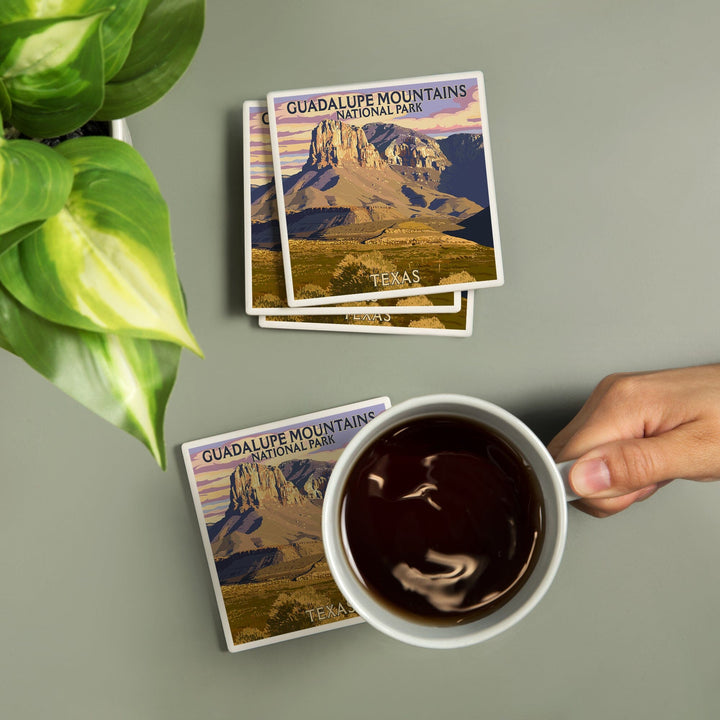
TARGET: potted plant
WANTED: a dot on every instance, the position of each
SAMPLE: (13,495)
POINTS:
(89,293)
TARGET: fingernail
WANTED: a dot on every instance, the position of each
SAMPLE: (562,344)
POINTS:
(590,477)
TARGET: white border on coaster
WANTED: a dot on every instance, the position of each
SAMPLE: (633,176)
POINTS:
(188,447)
(275,96)
(264,322)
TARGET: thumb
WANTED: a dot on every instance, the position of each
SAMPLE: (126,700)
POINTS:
(625,466)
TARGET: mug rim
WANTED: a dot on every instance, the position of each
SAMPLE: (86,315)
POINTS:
(420,633)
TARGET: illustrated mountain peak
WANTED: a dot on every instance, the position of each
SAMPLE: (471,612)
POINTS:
(336,144)
(273,516)
(463,147)
(253,485)
(403,146)
(309,476)
(382,172)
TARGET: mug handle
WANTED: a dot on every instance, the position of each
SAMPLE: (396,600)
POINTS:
(564,470)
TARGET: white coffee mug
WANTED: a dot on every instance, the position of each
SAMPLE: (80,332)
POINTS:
(555,490)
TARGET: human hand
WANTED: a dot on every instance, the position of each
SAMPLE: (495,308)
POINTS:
(639,431)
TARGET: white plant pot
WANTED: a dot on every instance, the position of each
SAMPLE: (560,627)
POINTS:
(120,131)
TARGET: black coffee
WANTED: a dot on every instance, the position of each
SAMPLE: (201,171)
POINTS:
(443,519)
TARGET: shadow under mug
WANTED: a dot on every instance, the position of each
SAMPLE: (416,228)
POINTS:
(555,489)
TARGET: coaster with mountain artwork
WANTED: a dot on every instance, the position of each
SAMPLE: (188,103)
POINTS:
(265,291)
(258,497)
(375,320)
(385,189)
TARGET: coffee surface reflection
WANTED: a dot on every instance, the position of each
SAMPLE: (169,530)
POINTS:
(442,519)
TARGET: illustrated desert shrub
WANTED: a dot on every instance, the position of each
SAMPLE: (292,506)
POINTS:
(268,300)
(249,634)
(286,615)
(354,273)
(306,292)
(413,300)
(457,278)
(290,612)
(432,322)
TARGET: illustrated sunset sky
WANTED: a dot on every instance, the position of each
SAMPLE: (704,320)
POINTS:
(438,119)
(261,164)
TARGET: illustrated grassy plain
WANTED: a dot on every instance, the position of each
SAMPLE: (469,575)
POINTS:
(409,246)
(274,606)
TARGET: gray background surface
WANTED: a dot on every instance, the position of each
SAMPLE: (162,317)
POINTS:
(604,127)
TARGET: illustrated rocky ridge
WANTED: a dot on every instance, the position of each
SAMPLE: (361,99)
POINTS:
(271,527)
(380,172)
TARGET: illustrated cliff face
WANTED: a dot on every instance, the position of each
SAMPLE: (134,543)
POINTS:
(335,144)
(309,476)
(252,486)
(403,146)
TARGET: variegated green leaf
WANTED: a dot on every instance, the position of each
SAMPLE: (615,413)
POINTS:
(162,48)
(35,182)
(4,342)
(117,30)
(125,380)
(5,104)
(103,153)
(53,73)
(104,262)
(14,236)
